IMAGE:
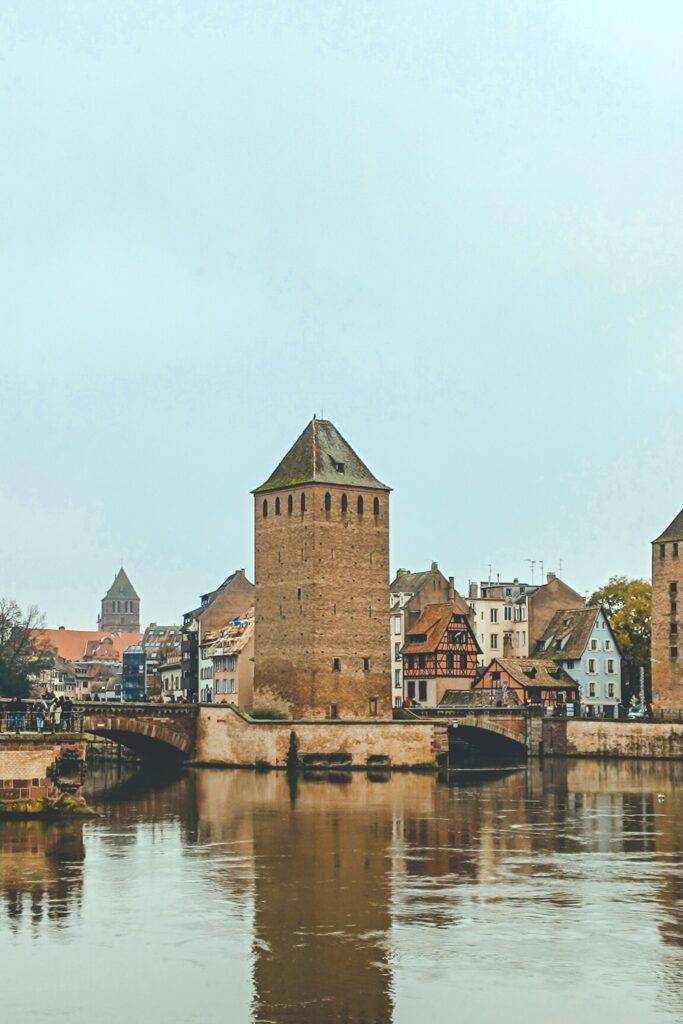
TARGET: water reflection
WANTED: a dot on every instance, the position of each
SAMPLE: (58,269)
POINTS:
(551,893)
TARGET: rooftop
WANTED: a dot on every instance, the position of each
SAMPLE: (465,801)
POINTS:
(567,633)
(321,455)
(674,530)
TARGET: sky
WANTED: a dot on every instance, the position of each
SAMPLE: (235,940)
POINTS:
(453,228)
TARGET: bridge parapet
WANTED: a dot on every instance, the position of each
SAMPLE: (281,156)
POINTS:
(150,729)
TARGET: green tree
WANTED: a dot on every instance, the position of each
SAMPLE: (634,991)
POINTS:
(23,654)
(628,604)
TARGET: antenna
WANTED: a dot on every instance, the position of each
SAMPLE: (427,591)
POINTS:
(490,572)
(532,563)
(542,573)
(560,564)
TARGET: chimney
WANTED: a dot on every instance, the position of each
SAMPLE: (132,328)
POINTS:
(402,572)
(435,566)
(451,588)
(550,576)
(473,590)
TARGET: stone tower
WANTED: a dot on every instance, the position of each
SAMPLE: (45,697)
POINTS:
(667,605)
(322,583)
(120,607)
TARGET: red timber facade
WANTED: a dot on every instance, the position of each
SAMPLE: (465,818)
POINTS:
(440,653)
(509,682)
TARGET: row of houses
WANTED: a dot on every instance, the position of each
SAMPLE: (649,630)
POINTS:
(506,642)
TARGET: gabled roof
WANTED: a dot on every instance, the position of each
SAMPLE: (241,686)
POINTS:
(571,629)
(409,582)
(321,455)
(674,530)
(121,587)
(534,672)
(433,624)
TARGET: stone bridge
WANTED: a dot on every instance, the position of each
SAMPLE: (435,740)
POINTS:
(505,730)
(156,731)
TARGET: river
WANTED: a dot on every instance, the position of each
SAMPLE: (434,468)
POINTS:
(547,894)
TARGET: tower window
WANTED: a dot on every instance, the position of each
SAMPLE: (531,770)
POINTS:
(373,706)
(303,503)
(673,588)
(674,652)
(290,505)
(265,508)
(277,506)
(662,550)
(344,504)
(298,593)
(328,502)
(375,507)
(675,549)
(336,664)
(359,505)
(366,664)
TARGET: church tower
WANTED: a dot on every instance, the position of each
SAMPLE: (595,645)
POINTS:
(120,607)
(321,527)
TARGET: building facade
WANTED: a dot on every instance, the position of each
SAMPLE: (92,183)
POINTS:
(510,617)
(440,654)
(120,610)
(509,682)
(667,592)
(321,530)
(232,598)
(410,593)
(581,641)
(133,673)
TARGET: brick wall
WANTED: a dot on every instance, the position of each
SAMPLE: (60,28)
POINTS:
(322,592)
(667,671)
(24,769)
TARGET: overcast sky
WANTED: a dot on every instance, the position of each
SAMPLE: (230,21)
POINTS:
(453,228)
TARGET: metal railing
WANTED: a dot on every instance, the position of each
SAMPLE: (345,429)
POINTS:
(32,720)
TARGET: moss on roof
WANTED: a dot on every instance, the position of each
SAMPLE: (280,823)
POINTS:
(321,455)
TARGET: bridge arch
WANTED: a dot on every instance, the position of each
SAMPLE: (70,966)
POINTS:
(490,740)
(154,733)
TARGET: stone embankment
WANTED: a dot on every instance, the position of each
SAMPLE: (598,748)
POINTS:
(41,776)
(594,738)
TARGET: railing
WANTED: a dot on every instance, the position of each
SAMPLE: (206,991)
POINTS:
(31,720)
(451,711)
(104,708)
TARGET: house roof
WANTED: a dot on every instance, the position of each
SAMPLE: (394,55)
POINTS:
(73,644)
(567,633)
(674,530)
(315,457)
(121,587)
(409,582)
(232,639)
(432,624)
(211,595)
(533,672)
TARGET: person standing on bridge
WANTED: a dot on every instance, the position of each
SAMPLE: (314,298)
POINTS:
(56,711)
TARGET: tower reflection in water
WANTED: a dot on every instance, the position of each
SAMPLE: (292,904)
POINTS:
(365,901)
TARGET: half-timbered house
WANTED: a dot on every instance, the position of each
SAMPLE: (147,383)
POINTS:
(440,653)
(512,681)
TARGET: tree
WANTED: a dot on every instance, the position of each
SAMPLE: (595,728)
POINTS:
(23,653)
(628,604)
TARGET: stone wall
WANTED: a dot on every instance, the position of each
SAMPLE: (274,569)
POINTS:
(25,766)
(224,737)
(322,594)
(667,592)
(588,738)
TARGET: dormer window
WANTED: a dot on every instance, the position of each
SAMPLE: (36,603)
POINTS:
(339,466)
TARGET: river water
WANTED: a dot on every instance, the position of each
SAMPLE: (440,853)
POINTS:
(547,894)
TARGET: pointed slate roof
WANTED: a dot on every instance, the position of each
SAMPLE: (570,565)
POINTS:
(121,587)
(570,628)
(674,530)
(320,455)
